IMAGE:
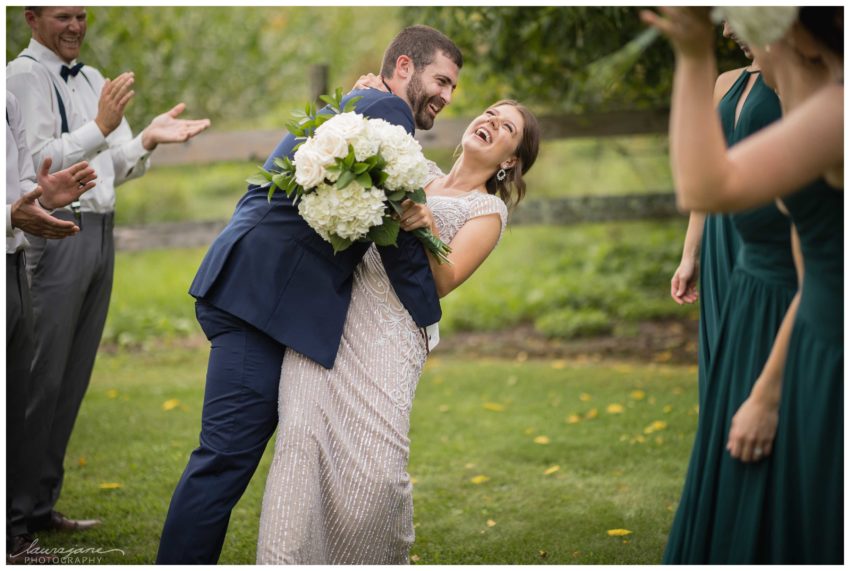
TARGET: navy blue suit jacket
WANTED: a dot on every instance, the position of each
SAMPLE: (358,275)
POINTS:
(270,269)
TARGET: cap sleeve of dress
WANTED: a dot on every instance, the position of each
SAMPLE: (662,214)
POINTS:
(433,172)
(490,204)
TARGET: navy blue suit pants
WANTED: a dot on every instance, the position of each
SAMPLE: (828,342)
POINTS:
(239,417)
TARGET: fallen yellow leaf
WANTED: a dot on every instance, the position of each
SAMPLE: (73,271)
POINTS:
(559,364)
(82,461)
(615,409)
(618,532)
(584,397)
(521,357)
(668,408)
(541,440)
(529,431)
(414,558)
(655,427)
(170,404)
(438,380)
(638,394)
(493,406)
(551,470)
(413,480)
(112,393)
(443,408)
(110,486)
(479,479)
(470,465)
(591,414)
(573,419)
(491,523)
(623,368)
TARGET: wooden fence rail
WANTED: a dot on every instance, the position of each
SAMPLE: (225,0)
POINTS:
(215,146)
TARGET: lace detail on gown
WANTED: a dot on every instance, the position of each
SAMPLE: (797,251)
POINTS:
(338,491)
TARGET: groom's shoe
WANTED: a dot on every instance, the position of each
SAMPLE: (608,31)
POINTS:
(24,551)
(59,522)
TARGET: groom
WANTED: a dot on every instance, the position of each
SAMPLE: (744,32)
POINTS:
(268,283)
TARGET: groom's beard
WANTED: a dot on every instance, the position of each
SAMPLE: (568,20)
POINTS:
(419,102)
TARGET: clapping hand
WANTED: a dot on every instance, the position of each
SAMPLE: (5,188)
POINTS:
(167,128)
(33,219)
(370,81)
(114,98)
(66,186)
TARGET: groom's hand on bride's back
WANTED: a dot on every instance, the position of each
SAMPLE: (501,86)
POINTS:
(370,81)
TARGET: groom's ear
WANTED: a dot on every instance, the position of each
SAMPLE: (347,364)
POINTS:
(403,67)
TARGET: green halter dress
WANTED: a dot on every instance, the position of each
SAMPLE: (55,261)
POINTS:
(805,508)
(718,519)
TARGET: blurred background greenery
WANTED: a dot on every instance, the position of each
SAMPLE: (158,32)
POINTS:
(246,68)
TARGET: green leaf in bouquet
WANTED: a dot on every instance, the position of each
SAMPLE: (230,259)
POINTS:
(295,128)
(280,180)
(349,106)
(382,178)
(365,180)
(321,118)
(360,168)
(328,99)
(417,196)
(386,234)
(280,163)
(349,158)
(339,244)
(256,179)
(344,179)
(396,196)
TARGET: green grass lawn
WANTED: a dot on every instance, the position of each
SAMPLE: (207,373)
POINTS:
(513,462)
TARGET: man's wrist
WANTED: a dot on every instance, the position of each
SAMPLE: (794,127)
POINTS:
(148,141)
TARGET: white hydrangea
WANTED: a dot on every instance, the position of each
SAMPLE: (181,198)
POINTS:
(757,25)
(348,212)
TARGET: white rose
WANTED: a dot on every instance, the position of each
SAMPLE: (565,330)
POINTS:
(309,167)
(349,125)
(330,145)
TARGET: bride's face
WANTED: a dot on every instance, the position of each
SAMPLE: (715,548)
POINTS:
(495,134)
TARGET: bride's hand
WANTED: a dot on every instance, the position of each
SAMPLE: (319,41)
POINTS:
(370,81)
(415,216)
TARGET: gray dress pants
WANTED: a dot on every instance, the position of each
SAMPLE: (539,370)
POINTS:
(19,350)
(71,285)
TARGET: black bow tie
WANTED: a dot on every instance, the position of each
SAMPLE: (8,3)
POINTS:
(72,71)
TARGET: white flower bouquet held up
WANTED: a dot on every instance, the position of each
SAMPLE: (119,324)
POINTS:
(350,175)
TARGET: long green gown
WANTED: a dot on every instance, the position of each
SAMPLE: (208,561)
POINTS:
(805,521)
(720,239)
(721,503)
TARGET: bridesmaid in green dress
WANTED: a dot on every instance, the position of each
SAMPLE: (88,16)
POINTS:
(801,518)
(760,290)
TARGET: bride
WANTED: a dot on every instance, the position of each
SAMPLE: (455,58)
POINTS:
(338,491)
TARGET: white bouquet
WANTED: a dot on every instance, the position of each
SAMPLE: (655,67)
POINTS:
(350,175)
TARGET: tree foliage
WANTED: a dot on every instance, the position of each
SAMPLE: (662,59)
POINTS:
(538,54)
(244,65)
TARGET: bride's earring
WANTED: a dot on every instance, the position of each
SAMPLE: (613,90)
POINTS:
(501,175)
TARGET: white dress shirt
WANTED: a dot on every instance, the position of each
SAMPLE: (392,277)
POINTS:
(20,174)
(116,158)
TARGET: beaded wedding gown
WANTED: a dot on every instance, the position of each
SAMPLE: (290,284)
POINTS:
(338,491)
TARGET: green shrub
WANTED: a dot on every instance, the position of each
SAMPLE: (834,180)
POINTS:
(570,323)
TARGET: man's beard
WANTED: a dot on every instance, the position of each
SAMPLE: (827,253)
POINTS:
(419,101)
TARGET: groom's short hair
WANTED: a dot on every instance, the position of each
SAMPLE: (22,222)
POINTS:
(420,44)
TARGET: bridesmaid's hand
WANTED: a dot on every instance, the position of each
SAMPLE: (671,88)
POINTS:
(753,430)
(683,286)
(689,30)
(415,216)
(370,81)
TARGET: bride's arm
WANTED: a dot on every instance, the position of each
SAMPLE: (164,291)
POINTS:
(470,246)
(776,161)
